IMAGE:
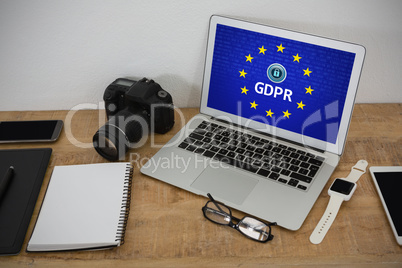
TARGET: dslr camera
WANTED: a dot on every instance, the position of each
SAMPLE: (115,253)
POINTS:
(132,109)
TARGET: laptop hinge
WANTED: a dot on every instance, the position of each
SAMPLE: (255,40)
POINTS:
(268,135)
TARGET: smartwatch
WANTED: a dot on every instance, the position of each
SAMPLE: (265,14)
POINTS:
(340,190)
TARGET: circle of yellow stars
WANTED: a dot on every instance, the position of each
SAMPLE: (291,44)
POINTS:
(296,58)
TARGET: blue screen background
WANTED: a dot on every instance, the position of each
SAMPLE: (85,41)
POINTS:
(329,78)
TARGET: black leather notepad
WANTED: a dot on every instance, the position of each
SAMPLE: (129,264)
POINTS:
(18,202)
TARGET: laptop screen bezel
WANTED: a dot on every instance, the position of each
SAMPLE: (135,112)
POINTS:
(358,50)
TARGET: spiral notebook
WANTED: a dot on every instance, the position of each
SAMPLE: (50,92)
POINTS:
(85,207)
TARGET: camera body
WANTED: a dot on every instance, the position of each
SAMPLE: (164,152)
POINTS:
(132,108)
(143,97)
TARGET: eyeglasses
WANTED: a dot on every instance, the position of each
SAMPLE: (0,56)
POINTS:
(219,213)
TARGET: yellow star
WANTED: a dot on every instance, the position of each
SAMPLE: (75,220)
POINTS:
(244,90)
(300,105)
(280,48)
(269,113)
(286,114)
(253,105)
(297,58)
(242,73)
(307,72)
(309,90)
(249,58)
(262,50)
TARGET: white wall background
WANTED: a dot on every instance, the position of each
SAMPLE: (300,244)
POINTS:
(57,54)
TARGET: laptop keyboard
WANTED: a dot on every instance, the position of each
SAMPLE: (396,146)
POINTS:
(268,159)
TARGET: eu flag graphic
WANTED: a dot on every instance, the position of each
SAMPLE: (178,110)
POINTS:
(277,81)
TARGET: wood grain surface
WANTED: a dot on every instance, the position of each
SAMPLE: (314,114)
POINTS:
(166,227)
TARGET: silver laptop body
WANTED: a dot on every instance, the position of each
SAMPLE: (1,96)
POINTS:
(283,97)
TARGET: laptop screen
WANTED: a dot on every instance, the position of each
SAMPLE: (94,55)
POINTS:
(292,85)
(279,82)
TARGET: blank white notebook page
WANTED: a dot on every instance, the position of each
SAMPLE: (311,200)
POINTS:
(82,208)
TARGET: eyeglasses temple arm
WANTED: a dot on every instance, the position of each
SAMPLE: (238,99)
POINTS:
(210,197)
(216,204)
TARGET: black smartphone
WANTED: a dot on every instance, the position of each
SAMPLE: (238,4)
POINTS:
(30,131)
(388,182)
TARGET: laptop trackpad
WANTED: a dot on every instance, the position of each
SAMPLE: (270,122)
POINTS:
(225,183)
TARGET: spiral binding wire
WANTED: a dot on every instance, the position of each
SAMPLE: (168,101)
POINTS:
(125,207)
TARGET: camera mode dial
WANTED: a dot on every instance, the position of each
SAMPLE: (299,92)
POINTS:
(162,94)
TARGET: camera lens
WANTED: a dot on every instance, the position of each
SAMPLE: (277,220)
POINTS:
(108,149)
(120,133)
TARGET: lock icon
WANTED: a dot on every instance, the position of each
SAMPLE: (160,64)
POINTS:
(277,73)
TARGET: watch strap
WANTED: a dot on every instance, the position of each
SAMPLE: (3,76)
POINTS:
(335,203)
(357,171)
(327,219)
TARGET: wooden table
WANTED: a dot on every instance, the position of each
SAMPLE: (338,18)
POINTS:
(166,226)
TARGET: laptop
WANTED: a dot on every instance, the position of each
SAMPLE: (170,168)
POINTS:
(275,112)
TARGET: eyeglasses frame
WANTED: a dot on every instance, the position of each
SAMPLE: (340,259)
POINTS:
(236,225)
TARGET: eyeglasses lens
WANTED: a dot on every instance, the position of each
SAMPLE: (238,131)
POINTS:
(254,229)
(217,213)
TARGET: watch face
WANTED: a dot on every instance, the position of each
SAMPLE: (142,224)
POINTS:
(342,186)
